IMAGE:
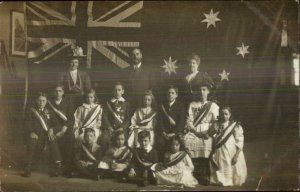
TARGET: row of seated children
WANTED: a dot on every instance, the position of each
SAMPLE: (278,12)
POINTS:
(115,117)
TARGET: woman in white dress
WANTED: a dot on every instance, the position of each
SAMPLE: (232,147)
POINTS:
(227,161)
(177,168)
(144,118)
(88,115)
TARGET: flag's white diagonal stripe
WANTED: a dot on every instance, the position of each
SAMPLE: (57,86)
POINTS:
(126,13)
(50,11)
(36,13)
(114,9)
(50,22)
(110,55)
(52,54)
(109,24)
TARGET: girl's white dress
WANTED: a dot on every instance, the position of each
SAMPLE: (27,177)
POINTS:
(142,119)
(87,116)
(179,174)
(227,174)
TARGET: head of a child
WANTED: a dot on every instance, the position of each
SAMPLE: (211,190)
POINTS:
(91,96)
(225,114)
(59,91)
(89,136)
(41,100)
(172,93)
(176,144)
(144,139)
(148,99)
(118,90)
(119,138)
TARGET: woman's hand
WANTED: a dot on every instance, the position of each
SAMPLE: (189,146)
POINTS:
(33,135)
(51,135)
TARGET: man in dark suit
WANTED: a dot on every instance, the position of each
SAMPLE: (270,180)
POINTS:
(171,120)
(76,82)
(138,79)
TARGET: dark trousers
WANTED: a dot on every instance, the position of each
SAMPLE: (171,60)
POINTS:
(201,171)
(160,145)
(142,174)
(86,171)
(112,174)
(66,147)
(36,146)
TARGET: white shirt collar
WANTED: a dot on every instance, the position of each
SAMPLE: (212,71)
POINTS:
(138,65)
(170,104)
(148,148)
(120,99)
(74,71)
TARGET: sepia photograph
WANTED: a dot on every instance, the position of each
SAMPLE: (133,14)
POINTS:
(149,95)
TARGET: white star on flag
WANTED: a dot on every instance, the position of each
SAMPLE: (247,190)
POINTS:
(211,18)
(243,50)
(170,66)
(224,75)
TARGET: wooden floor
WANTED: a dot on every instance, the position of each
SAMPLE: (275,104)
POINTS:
(256,154)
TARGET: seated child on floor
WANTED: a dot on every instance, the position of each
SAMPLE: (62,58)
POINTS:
(117,158)
(143,158)
(88,155)
(177,168)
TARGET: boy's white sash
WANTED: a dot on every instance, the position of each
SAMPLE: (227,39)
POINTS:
(42,121)
(58,112)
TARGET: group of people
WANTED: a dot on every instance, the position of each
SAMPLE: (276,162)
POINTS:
(138,139)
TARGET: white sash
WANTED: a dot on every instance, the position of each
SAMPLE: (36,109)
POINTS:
(42,121)
(114,114)
(224,133)
(92,117)
(172,121)
(59,113)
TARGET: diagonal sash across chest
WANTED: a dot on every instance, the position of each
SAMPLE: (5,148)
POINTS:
(143,162)
(147,119)
(176,160)
(113,113)
(88,153)
(222,138)
(202,113)
(123,156)
(91,116)
(172,121)
(40,118)
(58,112)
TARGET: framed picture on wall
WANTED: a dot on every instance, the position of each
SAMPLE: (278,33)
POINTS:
(17,34)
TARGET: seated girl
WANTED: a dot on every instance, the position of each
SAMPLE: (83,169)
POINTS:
(117,158)
(177,168)
(227,161)
(144,118)
(88,115)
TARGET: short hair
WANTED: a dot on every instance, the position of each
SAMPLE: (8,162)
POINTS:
(180,141)
(91,91)
(118,83)
(89,130)
(117,134)
(195,57)
(144,134)
(59,85)
(41,94)
(173,87)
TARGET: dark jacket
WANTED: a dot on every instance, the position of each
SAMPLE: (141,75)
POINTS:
(83,82)
(150,157)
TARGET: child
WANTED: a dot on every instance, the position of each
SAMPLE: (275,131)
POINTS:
(227,161)
(63,111)
(171,119)
(143,118)
(41,123)
(177,168)
(201,114)
(143,159)
(87,156)
(118,157)
(88,115)
(116,115)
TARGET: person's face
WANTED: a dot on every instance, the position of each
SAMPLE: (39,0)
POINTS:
(144,142)
(225,115)
(41,102)
(203,93)
(74,63)
(120,141)
(136,56)
(175,146)
(58,92)
(118,91)
(172,95)
(89,137)
(193,65)
(147,101)
(90,98)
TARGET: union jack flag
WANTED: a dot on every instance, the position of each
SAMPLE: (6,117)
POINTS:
(106,29)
